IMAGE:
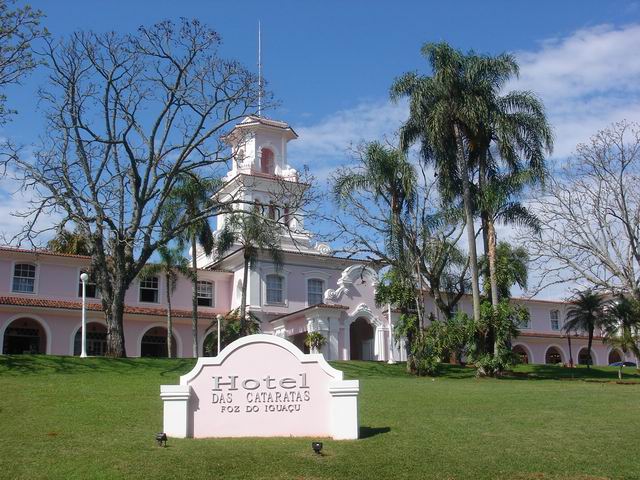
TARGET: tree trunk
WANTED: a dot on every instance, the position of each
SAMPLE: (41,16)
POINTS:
(570,352)
(169,318)
(590,341)
(243,300)
(471,233)
(114,313)
(493,276)
(194,314)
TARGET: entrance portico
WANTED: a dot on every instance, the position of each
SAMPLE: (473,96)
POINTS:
(350,335)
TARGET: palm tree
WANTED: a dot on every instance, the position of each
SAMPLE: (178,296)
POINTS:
(172,264)
(511,269)
(586,313)
(622,325)
(255,234)
(191,196)
(499,203)
(71,242)
(448,110)
(387,174)
(510,152)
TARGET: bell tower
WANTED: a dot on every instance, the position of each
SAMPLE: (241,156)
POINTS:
(259,147)
(261,178)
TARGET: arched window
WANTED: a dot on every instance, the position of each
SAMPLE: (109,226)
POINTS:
(553,356)
(315,290)
(154,343)
(239,158)
(96,340)
(24,278)
(273,212)
(522,353)
(584,357)
(266,161)
(275,289)
(205,294)
(24,335)
(149,289)
(614,356)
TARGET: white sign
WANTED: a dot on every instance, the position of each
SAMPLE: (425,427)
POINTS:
(262,386)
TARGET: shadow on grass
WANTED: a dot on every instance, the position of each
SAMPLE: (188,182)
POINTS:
(368,432)
(47,364)
(557,372)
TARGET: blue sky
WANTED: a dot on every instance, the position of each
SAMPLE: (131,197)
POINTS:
(330,63)
(322,57)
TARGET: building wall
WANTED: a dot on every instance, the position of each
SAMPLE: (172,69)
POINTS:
(57,279)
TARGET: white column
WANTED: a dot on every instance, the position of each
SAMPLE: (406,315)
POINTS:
(390,358)
(334,329)
(378,343)
(175,399)
(347,341)
(83,345)
(344,409)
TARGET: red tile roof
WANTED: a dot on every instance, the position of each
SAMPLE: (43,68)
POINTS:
(36,251)
(556,335)
(97,307)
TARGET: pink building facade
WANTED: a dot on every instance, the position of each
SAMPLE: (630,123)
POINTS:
(40,294)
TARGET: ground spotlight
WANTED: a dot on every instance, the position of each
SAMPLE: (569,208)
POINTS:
(161,438)
(317,447)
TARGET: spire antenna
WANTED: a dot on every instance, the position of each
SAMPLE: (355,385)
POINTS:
(259,70)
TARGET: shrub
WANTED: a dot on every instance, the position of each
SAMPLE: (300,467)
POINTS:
(315,341)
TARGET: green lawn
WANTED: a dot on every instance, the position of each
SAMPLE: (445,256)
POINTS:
(67,418)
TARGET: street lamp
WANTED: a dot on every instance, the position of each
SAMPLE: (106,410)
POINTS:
(391,361)
(219,318)
(84,278)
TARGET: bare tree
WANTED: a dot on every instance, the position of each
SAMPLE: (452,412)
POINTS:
(590,216)
(19,27)
(127,116)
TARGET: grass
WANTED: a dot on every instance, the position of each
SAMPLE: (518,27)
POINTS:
(68,418)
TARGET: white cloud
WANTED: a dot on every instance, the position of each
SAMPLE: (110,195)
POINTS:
(14,199)
(326,145)
(587,81)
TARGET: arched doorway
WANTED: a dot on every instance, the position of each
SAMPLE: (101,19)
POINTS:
(154,343)
(584,358)
(614,356)
(361,339)
(522,353)
(96,340)
(24,335)
(553,356)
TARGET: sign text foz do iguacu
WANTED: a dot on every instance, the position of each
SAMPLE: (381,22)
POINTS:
(268,394)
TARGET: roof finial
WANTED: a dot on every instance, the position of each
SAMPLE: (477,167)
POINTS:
(259,70)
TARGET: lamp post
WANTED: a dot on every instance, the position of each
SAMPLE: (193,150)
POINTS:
(219,318)
(390,360)
(84,278)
